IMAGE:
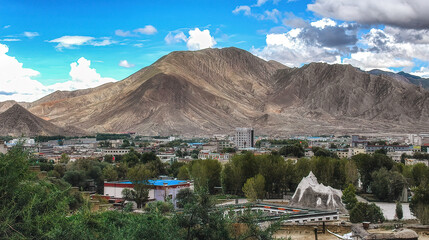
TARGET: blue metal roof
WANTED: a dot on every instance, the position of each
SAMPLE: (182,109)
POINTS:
(159,182)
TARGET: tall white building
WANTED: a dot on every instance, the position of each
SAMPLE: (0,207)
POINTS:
(244,138)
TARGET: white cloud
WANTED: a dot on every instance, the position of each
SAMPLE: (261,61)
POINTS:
(245,9)
(200,39)
(31,34)
(260,3)
(325,22)
(104,42)
(270,15)
(291,50)
(73,41)
(147,30)
(384,49)
(126,64)
(420,36)
(273,15)
(422,72)
(17,83)
(122,33)
(401,13)
(369,60)
(10,40)
(82,77)
(7,26)
(175,37)
(138,45)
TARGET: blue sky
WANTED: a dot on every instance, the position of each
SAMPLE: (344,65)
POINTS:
(66,45)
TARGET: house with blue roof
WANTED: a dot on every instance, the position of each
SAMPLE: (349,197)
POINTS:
(160,189)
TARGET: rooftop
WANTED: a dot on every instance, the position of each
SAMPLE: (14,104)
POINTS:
(156,182)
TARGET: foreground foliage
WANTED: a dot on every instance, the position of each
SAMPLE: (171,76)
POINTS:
(33,208)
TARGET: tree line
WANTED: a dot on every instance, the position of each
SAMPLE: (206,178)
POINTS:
(47,208)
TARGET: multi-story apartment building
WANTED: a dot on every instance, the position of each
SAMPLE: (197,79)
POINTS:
(244,138)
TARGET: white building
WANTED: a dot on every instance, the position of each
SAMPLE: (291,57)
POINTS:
(222,157)
(3,147)
(160,190)
(114,152)
(167,157)
(244,138)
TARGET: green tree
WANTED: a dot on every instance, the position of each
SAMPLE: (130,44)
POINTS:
(381,151)
(252,228)
(367,164)
(321,152)
(419,204)
(76,178)
(125,144)
(387,185)
(352,174)
(196,222)
(110,173)
(419,174)
(185,196)
(156,167)
(179,153)
(148,157)
(183,173)
(206,174)
(254,188)
(131,158)
(108,158)
(364,212)
(29,208)
(349,197)
(64,158)
(173,170)
(139,176)
(398,210)
(271,167)
(295,150)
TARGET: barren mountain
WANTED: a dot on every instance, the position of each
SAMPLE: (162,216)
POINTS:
(216,90)
(17,121)
(406,77)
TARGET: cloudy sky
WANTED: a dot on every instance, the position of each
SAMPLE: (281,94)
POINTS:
(49,45)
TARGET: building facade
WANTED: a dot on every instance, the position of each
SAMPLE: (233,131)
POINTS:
(160,190)
(244,138)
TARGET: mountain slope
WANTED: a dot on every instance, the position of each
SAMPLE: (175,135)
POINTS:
(216,90)
(17,121)
(200,91)
(406,77)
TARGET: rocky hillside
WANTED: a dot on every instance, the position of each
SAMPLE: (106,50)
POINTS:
(216,90)
(17,121)
(406,77)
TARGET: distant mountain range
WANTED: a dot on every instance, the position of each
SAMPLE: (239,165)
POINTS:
(215,90)
(17,121)
(403,76)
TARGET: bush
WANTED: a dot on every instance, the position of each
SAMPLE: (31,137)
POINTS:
(364,212)
(349,197)
(398,210)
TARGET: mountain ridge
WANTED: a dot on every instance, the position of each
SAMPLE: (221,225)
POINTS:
(17,121)
(215,90)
